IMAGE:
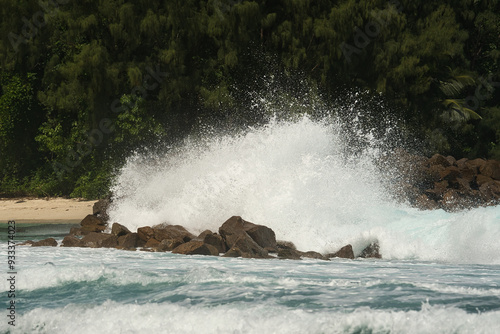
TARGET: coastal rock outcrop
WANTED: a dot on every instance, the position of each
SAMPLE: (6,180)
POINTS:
(45,242)
(92,223)
(345,252)
(119,230)
(100,209)
(236,238)
(195,247)
(97,240)
(238,241)
(441,182)
(371,251)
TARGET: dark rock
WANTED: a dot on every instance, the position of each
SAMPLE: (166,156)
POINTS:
(345,253)
(314,255)
(261,234)
(97,240)
(285,245)
(467,174)
(140,243)
(128,241)
(233,252)
(215,240)
(71,241)
(168,244)
(482,179)
(490,191)
(438,159)
(289,254)
(452,200)
(491,169)
(119,230)
(232,229)
(438,191)
(249,248)
(461,163)
(475,165)
(451,160)
(450,173)
(196,248)
(423,202)
(51,242)
(100,209)
(92,223)
(172,232)
(152,242)
(462,185)
(145,233)
(433,174)
(78,231)
(202,235)
(371,251)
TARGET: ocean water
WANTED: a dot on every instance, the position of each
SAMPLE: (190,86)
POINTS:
(440,271)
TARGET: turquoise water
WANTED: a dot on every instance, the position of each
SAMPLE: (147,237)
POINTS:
(108,290)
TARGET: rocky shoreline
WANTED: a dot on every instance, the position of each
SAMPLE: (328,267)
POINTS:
(441,182)
(437,182)
(235,238)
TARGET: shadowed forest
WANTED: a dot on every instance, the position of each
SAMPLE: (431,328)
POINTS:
(84,83)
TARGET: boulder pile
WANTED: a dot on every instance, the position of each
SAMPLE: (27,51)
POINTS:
(235,238)
(441,182)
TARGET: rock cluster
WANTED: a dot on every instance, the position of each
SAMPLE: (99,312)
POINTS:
(441,182)
(235,238)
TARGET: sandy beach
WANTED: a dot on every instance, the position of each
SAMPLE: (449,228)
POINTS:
(54,210)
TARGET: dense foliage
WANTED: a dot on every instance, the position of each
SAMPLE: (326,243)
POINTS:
(82,83)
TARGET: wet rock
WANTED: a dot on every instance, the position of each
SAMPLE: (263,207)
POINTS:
(438,159)
(100,209)
(345,252)
(78,231)
(152,242)
(196,248)
(128,241)
(475,164)
(289,254)
(92,223)
(371,251)
(285,245)
(450,173)
(119,230)
(451,160)
(164,231)
(71,241)
(233,252)
(167,245)
(249,248)
(491,168)
(262,235)
(482,179)
(49,242)
(145,233)
(97,240)
(215,240)
(232,229)
(314,255)
(490,191)
(461,163)
(423,202)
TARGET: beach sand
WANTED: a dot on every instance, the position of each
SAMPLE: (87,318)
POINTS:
(54,210)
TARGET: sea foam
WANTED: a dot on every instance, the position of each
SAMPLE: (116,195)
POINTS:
(305,180)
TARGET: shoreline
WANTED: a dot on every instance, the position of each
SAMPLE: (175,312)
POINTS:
(27,210)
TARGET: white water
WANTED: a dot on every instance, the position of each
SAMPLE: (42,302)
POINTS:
(297,178)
